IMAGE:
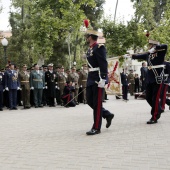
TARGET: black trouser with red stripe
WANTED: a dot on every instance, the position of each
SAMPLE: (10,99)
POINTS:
(94,100)
(163,96)
(153,92)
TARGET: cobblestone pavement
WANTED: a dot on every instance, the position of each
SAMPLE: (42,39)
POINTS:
(54,139)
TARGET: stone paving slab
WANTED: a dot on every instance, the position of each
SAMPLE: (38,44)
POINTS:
(54,139)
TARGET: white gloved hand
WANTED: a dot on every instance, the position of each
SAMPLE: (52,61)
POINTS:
(152,50)
(81,86)
(18,88)
(101,83)
(58,88)
(6,88)
(32,88)
(46,87)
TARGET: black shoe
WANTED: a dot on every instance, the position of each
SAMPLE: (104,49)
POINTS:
(77,103)
(36,106)
(104,101)
(151,121)
(40,106)
(109,120)
(14,108)
(93,132)
(1,109)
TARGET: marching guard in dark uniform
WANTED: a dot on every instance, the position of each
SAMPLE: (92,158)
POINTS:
(24,79)
(50,77)
(155,61)
(97,76)
(12,85)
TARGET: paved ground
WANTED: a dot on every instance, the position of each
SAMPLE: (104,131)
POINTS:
(54,139)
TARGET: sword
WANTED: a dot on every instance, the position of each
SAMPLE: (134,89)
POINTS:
(74,97)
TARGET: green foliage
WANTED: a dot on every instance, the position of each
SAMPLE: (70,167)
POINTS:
(41,29)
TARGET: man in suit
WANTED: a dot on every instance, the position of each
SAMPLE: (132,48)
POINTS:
(97,76)
(144,70)
(12,85)
(124,81)
(24,77)
(50,77)
(155,61)
(37,83)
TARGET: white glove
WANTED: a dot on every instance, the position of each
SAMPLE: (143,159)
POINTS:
(43,87)
(46,87)
(101,83)
(58,88)
(81,86)
(18,88)
(32,88)
(6,88)
(152,50)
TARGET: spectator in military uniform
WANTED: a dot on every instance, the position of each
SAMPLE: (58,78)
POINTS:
(12,85)
(31,90)
(19,95)
(6,92)
(62,78)
(155,61)
(1,90)
(131,80)
(24,78)
(97,76)
(45,98)
(37,83)
(143,71)
(50,77)
(57,90)
(83,81)
(74,78)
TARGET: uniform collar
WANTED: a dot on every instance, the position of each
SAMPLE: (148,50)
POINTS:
(91,46)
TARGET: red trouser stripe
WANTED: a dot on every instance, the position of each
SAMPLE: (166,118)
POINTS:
(157,102)
(99,103)
(164,96)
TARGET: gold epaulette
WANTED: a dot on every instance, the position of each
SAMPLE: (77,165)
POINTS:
(100,45)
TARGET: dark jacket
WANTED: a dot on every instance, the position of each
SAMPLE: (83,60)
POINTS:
(96,57)
(151,60)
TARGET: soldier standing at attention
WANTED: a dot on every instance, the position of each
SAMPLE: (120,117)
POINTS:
(25,86)
(74,78)
(97,76)
(50,77)
(131,80)
(155,61)
(83,81)
(12,85)
(37,83)
(62,77)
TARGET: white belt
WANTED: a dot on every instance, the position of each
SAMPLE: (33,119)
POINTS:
(157,66)
(94,69)
(166,75)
